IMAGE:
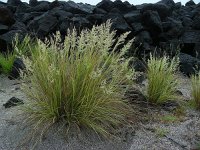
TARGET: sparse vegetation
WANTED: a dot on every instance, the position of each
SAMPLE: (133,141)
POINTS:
(161,132)
(19,48)
(169,118)
(181,110)
(196,90)
(25,47)
(80,82)
(6,62)
(162,82)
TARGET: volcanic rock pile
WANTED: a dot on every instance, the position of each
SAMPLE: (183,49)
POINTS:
(163,26)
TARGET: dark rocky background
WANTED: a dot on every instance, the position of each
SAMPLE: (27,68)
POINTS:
(163,26)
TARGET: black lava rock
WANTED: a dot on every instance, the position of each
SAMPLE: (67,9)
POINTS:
(170,105)
(17,66)
(160,25)
(13,102)
(190,3)
(6,16)
(188,64)
(152,20)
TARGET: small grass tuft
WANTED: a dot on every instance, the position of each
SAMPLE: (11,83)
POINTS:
(196,90)
(169,118)
(19,48)
(82,81)
(162,82)
(161,132)
(6,62)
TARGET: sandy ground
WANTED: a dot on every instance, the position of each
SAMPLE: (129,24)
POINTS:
(183,134)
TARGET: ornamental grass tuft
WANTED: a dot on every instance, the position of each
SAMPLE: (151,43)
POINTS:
(162,82)
(81,81)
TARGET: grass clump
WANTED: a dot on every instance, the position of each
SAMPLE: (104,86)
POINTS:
(6,62)
(161,132)
(196,90)
(80,82)
(162,82)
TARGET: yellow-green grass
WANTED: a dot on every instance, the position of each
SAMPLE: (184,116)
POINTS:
(196,90)
(162,82)
(80,82)
(25,47)
(19,48)
(6,62)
